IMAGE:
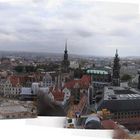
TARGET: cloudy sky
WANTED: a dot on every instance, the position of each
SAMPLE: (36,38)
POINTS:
(91,27)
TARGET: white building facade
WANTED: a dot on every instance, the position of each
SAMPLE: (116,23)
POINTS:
(7,89)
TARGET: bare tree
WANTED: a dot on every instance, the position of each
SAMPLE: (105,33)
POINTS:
(46,107)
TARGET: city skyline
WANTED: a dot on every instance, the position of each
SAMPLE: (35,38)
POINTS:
(91,27)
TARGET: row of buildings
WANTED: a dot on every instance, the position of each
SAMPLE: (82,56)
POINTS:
(105,90)
(121,101)
(95,89)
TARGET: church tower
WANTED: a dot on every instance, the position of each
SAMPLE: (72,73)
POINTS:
(66,52)
(138,79)
(116,71)
(65,62)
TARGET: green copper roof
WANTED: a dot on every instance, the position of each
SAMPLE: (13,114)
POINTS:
(97,72)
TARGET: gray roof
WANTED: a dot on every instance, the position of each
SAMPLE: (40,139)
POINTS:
(119,99)
(120,93)
(25,91)
(119,105)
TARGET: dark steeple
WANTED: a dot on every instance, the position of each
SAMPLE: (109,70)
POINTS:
(116,71)
(139,79)
(65,62)
(66,52)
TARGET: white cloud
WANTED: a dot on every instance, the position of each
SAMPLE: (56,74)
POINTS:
(8,38)
(86,24)
(49,4)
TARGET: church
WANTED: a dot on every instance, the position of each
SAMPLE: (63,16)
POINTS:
(65,63)
(122,102)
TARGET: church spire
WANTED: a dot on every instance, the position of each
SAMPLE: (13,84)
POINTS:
(65,62)
(66,45)
(66,52)
(116,52)
(116,70)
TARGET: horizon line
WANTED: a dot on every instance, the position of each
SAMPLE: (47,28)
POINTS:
(88,55)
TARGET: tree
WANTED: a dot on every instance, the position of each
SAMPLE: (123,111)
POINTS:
(126,77)
(19,69)
(78,73)
(30,69)
(46,107)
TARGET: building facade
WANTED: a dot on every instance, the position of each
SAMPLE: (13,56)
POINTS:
(101,77)
(10,87)
(47,80)
(123,103)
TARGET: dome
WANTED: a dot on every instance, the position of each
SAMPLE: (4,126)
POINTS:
(92,122)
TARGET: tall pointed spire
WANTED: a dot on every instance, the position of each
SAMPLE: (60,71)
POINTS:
(116,53)
(66,51)
(65,62)
(116,70)
(66,45)
(139,79)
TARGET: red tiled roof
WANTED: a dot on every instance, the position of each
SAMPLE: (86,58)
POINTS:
(21,79)
(58,95)
(84,82)
(14,80)
(70,84)
(86,78)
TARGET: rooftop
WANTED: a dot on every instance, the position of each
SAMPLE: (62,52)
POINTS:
(14,80)
(25,91)
(58,94)
(84,82)
(118,99)
(120,93)
(94,71)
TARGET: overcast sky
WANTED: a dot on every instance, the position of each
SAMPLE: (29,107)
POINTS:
(91,27)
